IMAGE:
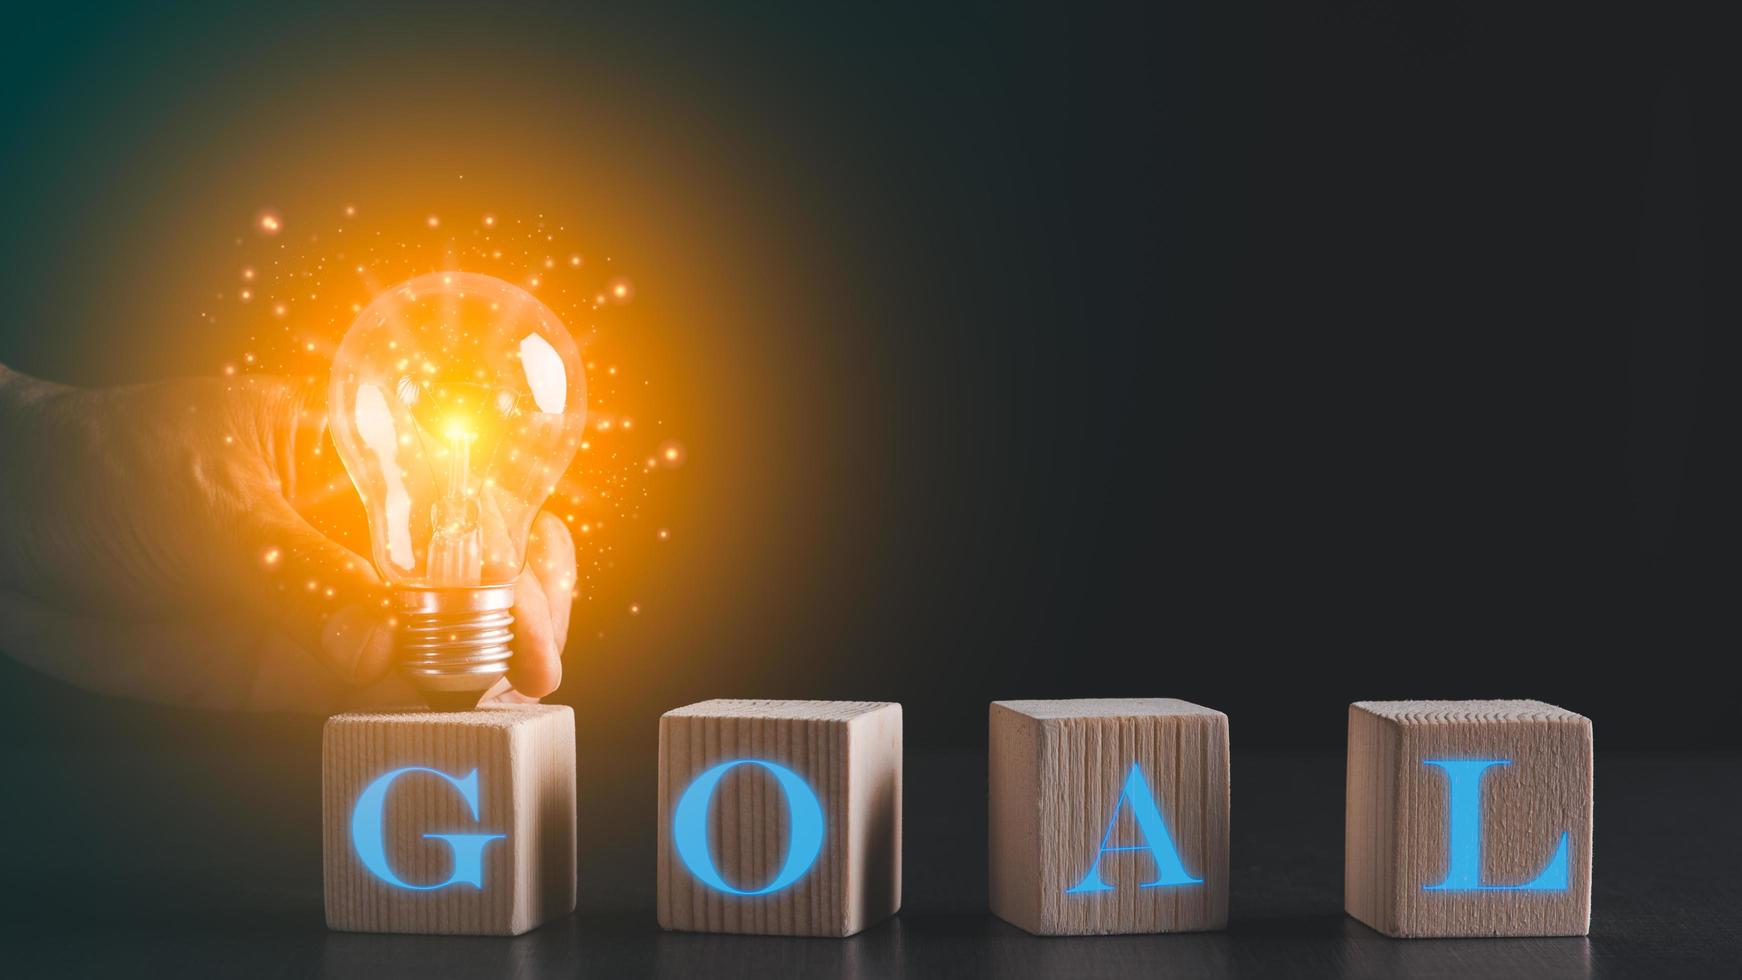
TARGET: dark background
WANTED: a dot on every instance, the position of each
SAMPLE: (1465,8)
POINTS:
(1269,356)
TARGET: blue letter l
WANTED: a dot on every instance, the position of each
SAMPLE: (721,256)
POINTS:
(1464,857)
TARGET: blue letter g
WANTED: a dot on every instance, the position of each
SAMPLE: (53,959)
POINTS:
(468,848)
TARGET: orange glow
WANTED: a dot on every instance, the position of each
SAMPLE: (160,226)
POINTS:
(609,499)
(717,353)
(269,223)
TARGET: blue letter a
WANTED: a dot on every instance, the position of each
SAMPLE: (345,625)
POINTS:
(1464,857)
(1168,869)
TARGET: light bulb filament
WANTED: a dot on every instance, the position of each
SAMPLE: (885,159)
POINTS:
(456,544)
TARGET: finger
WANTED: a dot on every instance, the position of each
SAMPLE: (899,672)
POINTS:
(551,555)
(323,596)
(288,423)
(357,643)
(504,693)
(291,678)
(536,667)
(541,608)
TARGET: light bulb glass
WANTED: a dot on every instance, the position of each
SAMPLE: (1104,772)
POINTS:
(457,403)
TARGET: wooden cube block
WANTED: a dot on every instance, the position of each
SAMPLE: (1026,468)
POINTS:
(1468,818)
(779,817)
(1109,816)
(449,822)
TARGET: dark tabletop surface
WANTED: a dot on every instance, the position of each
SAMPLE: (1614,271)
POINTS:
(125,862)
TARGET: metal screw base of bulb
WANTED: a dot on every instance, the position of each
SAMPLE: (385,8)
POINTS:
(453,644)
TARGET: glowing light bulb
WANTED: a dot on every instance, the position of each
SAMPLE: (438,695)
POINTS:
(454,399)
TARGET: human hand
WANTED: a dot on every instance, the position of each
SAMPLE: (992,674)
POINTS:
(150,548)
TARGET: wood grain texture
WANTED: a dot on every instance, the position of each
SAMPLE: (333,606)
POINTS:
(1397,824)
(1056,771)
(849,752)
(525,758)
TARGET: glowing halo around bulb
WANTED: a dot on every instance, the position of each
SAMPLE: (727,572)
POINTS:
(457,402)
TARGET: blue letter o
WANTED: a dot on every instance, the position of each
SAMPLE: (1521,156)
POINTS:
(690,827)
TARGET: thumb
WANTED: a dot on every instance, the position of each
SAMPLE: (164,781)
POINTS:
(324,596)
